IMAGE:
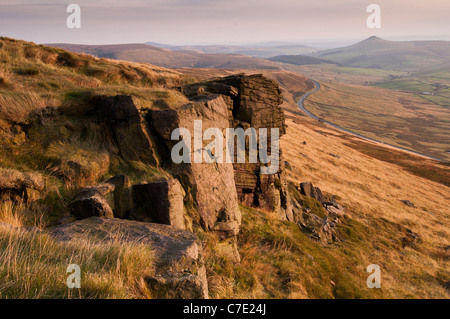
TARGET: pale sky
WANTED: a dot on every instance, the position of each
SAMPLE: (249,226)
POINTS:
(221,21)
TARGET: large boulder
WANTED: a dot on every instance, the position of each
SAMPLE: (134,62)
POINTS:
(180,271)
(159,202)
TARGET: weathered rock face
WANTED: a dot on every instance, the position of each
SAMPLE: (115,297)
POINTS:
(180,272)
(123,197)
(253,101)
(211,184)
(128,127)
(159,202)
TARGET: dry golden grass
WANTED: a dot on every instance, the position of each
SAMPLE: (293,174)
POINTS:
(371,190)
(33,264)
(83,160)
(34,76)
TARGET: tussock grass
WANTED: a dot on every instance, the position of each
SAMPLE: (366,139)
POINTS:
(80,160)
(33,264)
(5,75)
(15,106)
(11,178)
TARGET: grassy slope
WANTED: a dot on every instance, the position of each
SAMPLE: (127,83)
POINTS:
(333,73)
(371,190)
(33,265)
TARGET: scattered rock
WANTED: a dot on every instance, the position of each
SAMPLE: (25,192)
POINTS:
(304,155)
(334,155)
(309,190)
(180,272)
(229,249)
(334,208)
(91,202)
(407,203)
(410,238)
(287,165)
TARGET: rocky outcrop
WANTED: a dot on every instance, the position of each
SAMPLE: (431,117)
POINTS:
(253,101)
(159,202)
(214,189)
(211,185)
(317,216)
(179,265)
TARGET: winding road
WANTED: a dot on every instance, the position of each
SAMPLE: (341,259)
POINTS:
(301,106)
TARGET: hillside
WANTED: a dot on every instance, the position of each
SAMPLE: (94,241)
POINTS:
(169,58)
(300,60)
(377,53)
(86,177)
(263,50)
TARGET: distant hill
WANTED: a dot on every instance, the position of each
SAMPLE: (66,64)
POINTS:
(259,50)
(301,60)
(164,57)
(377,53)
